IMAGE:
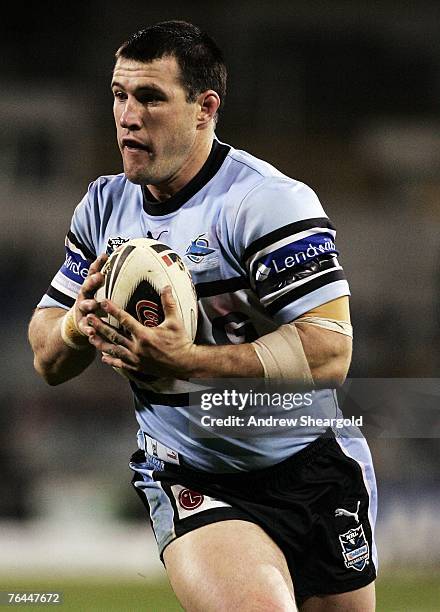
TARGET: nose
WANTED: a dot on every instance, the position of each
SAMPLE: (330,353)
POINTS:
(130,117)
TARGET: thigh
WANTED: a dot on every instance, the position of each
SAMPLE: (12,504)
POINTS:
(229,565)
(360,600)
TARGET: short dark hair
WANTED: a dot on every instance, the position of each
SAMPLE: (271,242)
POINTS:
(199,58)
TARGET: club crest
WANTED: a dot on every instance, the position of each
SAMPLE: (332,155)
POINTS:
(199,249)
(355,548)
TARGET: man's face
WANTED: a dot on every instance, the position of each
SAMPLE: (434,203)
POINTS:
(156,126)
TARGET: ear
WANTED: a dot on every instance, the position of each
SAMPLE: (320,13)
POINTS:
(209,102)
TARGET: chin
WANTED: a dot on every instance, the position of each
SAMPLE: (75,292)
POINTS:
(138,178)
(134,178)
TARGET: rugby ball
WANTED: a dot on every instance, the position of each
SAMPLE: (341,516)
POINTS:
(136,273)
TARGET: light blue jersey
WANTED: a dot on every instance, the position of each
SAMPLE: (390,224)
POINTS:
(261,252)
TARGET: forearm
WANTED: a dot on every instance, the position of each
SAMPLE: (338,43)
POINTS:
(53,359)
(226,361)
(327,355)
(303,352)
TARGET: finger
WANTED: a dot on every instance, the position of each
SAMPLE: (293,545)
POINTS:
(98,264)
(107,331)
(92,284)
(88,306)
(115,351)
(168,302)
(126,320)
(117,363)
(95,278)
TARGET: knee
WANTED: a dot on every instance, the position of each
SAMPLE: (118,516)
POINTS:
(255,600)
(263,602)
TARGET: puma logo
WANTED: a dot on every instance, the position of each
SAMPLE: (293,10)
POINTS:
(343,512)
(150,234)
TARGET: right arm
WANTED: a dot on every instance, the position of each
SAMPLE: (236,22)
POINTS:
(54,360)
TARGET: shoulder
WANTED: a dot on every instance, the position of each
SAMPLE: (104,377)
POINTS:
(105,193)
(265,190)
(109,186)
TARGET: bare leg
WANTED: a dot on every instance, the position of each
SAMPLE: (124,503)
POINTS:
(361,600)
(229,565)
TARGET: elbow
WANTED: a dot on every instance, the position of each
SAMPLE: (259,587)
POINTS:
(339,377)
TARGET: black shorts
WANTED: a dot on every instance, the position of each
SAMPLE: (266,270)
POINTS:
(318,506)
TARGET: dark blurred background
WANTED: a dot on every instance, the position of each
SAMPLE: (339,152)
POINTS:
(342,95)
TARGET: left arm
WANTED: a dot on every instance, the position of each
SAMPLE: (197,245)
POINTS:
(167,351)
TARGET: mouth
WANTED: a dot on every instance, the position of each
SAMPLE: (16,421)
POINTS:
(134,145)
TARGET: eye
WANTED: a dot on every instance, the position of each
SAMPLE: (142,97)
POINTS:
(119,95)
(150,98)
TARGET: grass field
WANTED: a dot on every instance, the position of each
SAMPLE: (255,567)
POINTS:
(400,592)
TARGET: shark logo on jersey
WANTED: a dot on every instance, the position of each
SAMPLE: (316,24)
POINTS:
(355,548)
(115,243)
(198,249)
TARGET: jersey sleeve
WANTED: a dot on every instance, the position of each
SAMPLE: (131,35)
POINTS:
(287,246)
(79,254)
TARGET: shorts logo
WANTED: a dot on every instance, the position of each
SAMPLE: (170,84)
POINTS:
(355,548)
(148,313)
(190,500)
(153,463)
(115,243)
(344,512)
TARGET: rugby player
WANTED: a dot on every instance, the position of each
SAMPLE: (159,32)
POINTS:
(279,523)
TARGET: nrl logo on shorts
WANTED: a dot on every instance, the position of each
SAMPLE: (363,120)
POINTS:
(355,548)
(115,243)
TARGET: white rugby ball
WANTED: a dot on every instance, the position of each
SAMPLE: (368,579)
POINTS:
(136,273)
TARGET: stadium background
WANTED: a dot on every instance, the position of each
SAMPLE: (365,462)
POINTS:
(342,95)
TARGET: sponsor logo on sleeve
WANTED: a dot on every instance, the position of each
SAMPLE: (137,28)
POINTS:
(295,254)
(75,267)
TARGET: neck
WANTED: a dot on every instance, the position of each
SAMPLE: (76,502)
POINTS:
(193,163)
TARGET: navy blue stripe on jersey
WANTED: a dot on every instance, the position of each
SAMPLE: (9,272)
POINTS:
(60,297)
(227,285)
(209,169)
(285,232)
(302,290)
(290,276)
(86,252)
